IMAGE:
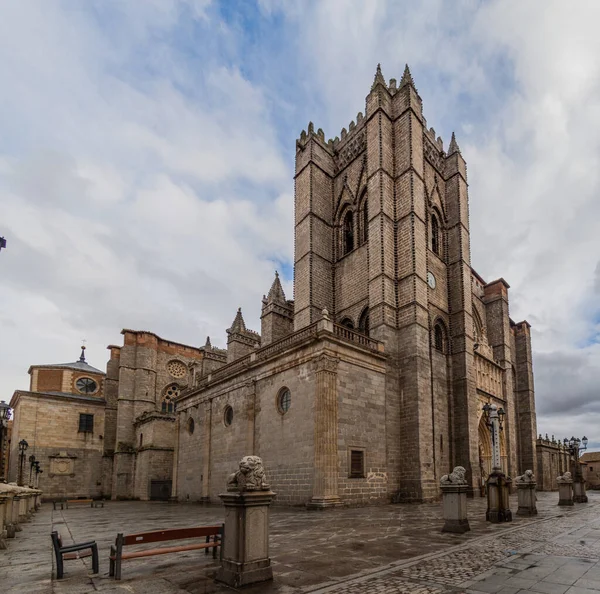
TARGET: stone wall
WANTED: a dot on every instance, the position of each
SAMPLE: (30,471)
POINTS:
(71,460)
(553,460)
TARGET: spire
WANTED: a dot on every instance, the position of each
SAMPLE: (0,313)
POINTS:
(407,78)
(82,356)
(207,345)
(378,78)
(453,148)
(276,294)
(238,326)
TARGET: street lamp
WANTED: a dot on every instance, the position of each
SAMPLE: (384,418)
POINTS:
(23,445)
(494,419)
(4,418)
(31,467)
(575,446)
(498,508)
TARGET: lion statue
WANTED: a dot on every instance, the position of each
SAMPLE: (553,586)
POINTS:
(456,477)
(250,476)
(565,478)
(526,477)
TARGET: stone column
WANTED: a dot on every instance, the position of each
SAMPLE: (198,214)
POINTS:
(325,484)
(245,554)
(565,489)
(526,486)
(498,489)
(454,496)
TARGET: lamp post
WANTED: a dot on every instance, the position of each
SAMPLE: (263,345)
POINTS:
(38,471)
(23,445)
(4,418)
(498,483)
(31,467)
(575,446)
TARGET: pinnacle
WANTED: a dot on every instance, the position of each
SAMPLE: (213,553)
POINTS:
(276,294)
(208,345)
(407,78)
(378,78)
(238,325)
(453,148)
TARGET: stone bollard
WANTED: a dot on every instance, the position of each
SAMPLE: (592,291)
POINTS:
(565,489)
(526,494)
(579,495)
(4,502)
(454,495)
(498,490)
(245,553)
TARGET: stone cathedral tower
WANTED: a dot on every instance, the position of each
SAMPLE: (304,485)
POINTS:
(382,243)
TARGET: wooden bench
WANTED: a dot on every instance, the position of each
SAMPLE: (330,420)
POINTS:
(78,501)
(72,552)
(60,502)
(207,532)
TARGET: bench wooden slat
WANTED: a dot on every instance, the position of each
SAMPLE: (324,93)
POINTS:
(171,534)
(79,500)
(165,550)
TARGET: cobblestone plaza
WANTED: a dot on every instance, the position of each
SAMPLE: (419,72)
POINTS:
(391,548)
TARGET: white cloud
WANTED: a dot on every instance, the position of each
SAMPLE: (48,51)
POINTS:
(146,158)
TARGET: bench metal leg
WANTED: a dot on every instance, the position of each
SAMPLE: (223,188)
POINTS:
(113,552)
(95,563)
(59,566)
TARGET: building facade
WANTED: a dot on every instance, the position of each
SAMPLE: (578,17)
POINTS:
(369,385)
(61,417)
(366,388)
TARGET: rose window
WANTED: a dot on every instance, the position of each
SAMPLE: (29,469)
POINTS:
(176,369)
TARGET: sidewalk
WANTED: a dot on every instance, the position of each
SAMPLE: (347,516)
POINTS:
(392,548)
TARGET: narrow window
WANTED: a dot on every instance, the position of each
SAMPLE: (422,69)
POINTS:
(284,401)
(438,337)
(228,415)
(363,323)
(365,224)
(347,322)
(348,232)
(435,235)
(86,423)
(191,425)
(141,440)
(357,464)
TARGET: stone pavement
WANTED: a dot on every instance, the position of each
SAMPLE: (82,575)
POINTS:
(391,548)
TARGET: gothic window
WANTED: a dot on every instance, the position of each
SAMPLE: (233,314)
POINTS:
(477,326)
(363,322)
(365,219)
(435,235)
(348,232)
(439,337)
(168,403)
(191,425)
(347,322)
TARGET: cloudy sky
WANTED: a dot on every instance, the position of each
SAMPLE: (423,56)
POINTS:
(146,162)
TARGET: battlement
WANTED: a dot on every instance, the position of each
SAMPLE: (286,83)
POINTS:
(430,133)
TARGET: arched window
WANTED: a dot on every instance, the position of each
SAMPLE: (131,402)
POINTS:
(168,402)
(477,326)
(348,232)
(191,425)
(439,337)
(365,219)
(435,236)
(363,322)
(347,322)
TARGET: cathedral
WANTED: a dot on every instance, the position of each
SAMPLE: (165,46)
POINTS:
(369,385)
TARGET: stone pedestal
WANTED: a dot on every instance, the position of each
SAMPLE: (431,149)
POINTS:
(579,495)
(246,540)
(526,494)
(565,489)
(454,500)
(498,489)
